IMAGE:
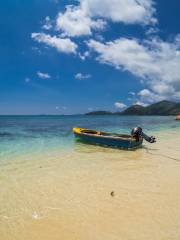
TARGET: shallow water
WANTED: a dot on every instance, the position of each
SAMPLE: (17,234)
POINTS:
(55,188)
(30,134)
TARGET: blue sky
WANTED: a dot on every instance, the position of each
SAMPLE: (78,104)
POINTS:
(67,57)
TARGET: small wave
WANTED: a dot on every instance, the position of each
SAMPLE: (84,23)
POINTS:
(5,134)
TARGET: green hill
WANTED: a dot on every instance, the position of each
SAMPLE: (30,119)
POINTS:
(99,113)
(163,108)
(134,110)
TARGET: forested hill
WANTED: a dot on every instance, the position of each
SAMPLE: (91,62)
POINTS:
(163,108)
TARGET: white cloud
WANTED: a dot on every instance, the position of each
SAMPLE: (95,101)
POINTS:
(64,45)
(84,55)
(74,22)
(140,103)
(156,62)
(47,25)
(80,76)
(91,15)
(43,75)
(132,93)
(147,96)
(87,16)
(120,105)
(127,11)
(144,93)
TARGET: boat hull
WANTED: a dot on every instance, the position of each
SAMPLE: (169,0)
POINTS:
(106,139)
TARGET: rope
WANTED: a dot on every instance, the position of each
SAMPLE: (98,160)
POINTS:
(162,155)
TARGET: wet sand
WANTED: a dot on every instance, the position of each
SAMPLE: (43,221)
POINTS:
(55,195)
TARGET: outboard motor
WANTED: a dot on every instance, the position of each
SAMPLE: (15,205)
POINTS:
(137,133)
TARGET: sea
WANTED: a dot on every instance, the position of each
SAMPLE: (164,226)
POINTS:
(26,134)
(52,187)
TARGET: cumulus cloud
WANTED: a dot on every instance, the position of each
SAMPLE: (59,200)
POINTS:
(75,22)
(80,76)
(64,45)
(156,62)
(43,75)
(127,11)
(120,105)
(149,96)
(87,16)
(92,15)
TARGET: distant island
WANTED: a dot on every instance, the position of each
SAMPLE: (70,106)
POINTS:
(163,108)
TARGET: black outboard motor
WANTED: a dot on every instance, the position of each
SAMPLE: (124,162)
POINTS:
(137,133)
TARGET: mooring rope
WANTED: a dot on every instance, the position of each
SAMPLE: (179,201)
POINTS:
(162,155)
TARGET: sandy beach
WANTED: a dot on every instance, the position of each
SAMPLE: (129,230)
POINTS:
(69,195)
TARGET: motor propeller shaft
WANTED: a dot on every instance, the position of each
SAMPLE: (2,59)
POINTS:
(149,139)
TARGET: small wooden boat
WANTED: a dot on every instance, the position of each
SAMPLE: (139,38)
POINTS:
(107,139)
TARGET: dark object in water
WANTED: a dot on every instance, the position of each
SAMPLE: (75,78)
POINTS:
(123,141)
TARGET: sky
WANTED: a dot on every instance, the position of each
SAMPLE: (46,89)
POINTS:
(76,56)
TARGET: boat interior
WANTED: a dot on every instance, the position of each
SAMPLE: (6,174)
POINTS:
(87,131)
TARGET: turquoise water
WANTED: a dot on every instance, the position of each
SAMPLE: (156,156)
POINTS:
(24,134)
